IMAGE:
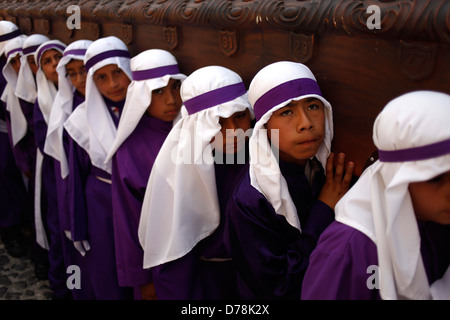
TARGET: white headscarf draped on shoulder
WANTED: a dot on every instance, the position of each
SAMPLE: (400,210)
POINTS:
(63,103)
(46,89)
(19,125)
(26,85)
(46,92)
(181,206)
(90,125)
(151,69)
(413,138)
(272,88)
(8,31)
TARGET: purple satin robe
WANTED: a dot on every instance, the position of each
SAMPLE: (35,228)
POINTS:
(338,268)
(131,166)
(49,210)
(90,203)
(270,254)
(207,271)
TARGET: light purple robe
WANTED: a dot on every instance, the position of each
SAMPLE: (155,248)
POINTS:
(131,166)
(90,202)
(338,268)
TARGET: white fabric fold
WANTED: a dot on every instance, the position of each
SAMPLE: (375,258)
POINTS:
(62,106)
(139,94)
(26,84)
(90,125)
(180,206)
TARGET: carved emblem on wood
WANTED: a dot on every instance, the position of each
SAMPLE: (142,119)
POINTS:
(417,60)
(228,42)
(127,33)
(170,37)
(301,46)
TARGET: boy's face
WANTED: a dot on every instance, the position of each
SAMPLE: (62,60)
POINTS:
(431,199)
(15,63)
(232,134)
(49,62)
(301,129)
(166,102)
(33,66)
(77,74)
(112,82)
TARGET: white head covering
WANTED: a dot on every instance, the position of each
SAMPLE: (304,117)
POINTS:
(19,125)
(62,105)
(174,217)
(8,31)
(46,89)
(379,204)
(90,125)
(272,88)
(151,69)
(26,85)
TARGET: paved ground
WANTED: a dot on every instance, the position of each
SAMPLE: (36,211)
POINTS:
(17,279)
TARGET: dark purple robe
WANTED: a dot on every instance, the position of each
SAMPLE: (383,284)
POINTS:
(131,166)
(207,271)
(338,268)
(71,255)
(90,203)
(14,208)
(49,210)
(270,254)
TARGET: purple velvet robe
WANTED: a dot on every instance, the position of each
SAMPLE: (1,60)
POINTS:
(70,254)
(207,271)
(90,204)
(131,166)
(270,254)
(49,210)
(338,268)
(13,194)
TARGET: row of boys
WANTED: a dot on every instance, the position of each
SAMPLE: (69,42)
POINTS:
(160,185)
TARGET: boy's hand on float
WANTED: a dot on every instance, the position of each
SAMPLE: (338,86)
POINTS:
(337,181)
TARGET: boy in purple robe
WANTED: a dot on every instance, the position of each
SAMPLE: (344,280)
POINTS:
(152,105)
(71,91)
(284,202)
(391,237)
(182,218)
(13,210)
(48,234)
(92,128)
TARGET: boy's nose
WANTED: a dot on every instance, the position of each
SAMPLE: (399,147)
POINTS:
(304,122)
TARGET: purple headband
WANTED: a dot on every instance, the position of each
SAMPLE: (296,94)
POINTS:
(105,55)
(155,72)
(30,49)
(215,97)
(414,154)
(13,51)
(76,52)
(10,35)
(285,91)
(48,47)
